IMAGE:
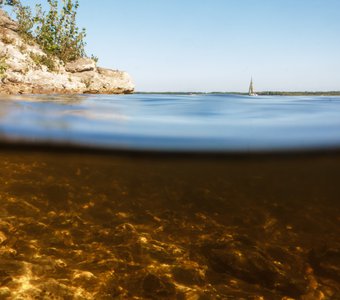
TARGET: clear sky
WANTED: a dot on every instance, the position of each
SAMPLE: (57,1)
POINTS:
(217,45)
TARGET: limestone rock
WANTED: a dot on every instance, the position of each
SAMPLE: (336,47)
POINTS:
(110,82)
(81,65)
(107,72)
(6,22)
(25,68)
(115,78)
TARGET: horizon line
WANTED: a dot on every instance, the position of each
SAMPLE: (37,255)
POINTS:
(233,92)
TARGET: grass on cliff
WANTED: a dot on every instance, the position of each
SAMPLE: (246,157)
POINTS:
(44,60)
(3,66)
(5,38)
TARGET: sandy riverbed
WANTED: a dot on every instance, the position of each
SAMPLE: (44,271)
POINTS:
(90,227)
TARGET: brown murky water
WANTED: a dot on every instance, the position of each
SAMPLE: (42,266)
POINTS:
(82,226)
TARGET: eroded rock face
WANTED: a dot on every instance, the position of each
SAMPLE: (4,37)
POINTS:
(80,65)
(6,22)
(25,68)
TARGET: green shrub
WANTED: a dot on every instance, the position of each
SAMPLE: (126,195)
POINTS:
(44,60)
(94,58)
(55,30)
(25,20)
(7,2)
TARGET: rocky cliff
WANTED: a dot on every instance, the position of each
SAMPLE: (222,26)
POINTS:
(25,69)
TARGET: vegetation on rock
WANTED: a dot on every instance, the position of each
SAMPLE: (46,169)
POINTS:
(44,60)
(55,30)
(43,52)
(7,2)
(3,65)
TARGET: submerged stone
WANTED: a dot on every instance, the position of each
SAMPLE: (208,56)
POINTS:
(255,266)
(326,262)
(155,287)
(77,237)
(187,276)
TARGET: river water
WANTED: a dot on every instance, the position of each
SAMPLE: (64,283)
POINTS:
(225,123)
(169,197)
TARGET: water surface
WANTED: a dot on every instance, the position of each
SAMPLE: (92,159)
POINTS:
(174,122)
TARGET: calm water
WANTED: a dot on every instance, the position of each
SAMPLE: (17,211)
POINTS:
(116,225)
(164,122)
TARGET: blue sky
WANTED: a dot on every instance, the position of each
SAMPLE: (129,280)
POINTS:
(217,45)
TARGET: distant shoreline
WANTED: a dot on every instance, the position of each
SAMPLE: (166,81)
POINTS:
(264,93)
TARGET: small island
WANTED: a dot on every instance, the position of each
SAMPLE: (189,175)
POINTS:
(36,58)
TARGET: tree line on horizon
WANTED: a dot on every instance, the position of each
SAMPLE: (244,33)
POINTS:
(263,93)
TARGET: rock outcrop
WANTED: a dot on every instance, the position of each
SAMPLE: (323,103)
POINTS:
(25,69)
